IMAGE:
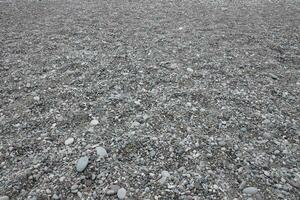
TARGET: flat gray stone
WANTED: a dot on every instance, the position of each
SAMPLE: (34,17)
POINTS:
(82,164)
(101,152)
(250,190)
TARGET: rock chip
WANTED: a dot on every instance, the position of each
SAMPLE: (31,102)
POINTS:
(4,198)
(250,190)
(82,164)
(121,193)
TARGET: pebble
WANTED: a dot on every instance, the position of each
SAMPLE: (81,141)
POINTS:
(222,143)
(36,98)
(190,70)
(267,135)
(276,152)
(165,174)
(55,196)
(94,122)
(74,187)
(101,152)
(4,198)
(244,129)
(82,164)
(112,190)
(250,190)
(69,141)
(121,193)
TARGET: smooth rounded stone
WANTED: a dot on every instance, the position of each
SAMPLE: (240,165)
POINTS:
(82,164)
(121,193)
(94,122)
(101,152)
(250,190)
(69,141)
(4,198)
(112,190)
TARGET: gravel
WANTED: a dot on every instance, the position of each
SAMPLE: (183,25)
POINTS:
(168,99)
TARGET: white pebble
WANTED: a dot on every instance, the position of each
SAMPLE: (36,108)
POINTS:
(69,141)
(190,70)
(36,98)
(121,193)
(94,122)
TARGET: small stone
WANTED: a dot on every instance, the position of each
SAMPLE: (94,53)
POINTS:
(82,164)
(152,153)
(135,124)
(55,197)
(190,70)
(112,190)
(165,174)
(36,98)
(267,135)
(4,198)
(74,187)
(94,122)
(69,141)
(273,76)
(250,190)
(244,129)
(162,180)
(276,152)
(222,143)
(101,152)
(121,193)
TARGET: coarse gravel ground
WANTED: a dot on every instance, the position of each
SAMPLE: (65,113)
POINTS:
(151,99)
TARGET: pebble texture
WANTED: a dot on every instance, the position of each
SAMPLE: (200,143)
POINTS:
(189,99)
